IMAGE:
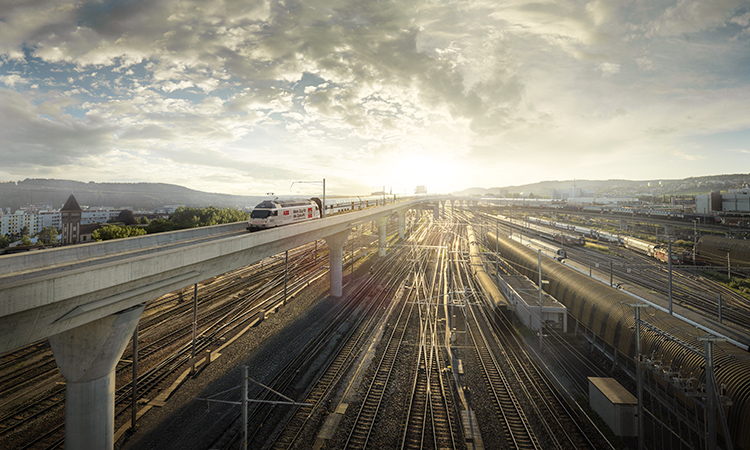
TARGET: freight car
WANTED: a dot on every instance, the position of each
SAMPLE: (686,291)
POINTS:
(714,250)
(274,213)
(501,304)
(552,251)
(605,311)
(585,231)
(640,246)
(662,254)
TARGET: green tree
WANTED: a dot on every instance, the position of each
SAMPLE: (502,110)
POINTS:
(186,217)
(159,226)
(4,241)
(109,232)
(143,220)
(26,240)
(126,217)
(48,235)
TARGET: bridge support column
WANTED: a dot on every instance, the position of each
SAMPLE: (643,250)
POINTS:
(382,224)
(442,209)
(87,356)
(401,223)
(436,212)
(336,258)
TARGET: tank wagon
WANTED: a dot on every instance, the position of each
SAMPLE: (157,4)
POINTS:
(480,274)
(713,250)
(275,213)
(606,312)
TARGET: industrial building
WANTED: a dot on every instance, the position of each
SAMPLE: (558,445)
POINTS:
(734,200)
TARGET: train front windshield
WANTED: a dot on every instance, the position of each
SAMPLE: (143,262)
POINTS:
(260,214)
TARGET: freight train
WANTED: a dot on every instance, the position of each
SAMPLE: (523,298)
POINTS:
(656,251)
(587,232)
(275,213)
(607,313)
(655,213)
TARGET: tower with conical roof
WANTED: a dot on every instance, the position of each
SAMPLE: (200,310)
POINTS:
(70,214)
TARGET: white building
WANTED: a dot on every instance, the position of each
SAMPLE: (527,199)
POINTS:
(14,223)
(734,200)
(572,193)
(99,215)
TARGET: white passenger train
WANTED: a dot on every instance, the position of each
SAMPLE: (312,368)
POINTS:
(275,213)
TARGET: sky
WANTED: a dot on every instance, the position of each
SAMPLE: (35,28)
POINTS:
(248,97)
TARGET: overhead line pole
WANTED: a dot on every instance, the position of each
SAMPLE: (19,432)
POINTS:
(323,206)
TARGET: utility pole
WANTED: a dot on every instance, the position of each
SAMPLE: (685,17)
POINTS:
(729,268)
(710,391)
(135,378)
(323,206)
(669,270)
(695,238)
(639,374)
(286,271)
(497,251)
(195,326)
(244,407)
(541,321)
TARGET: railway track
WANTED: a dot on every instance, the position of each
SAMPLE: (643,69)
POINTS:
(221,309)
(358,315)
(365,419)
(519,432)
(395,302)
(689,288)
(430,421)
(341,363)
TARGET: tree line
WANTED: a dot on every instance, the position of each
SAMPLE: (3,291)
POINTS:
(182,218)
(128,226)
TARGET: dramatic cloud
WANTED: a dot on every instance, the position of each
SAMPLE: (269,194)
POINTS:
(246,97)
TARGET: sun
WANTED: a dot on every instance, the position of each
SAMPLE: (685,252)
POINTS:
(439,174)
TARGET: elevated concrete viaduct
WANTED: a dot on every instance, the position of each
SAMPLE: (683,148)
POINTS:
(88,298)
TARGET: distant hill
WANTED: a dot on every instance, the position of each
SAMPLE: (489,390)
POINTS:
(148,196)
(623,188)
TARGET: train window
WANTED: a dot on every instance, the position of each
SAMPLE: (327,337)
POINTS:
(260,214)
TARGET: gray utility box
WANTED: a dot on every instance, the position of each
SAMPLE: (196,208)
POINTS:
(615,405)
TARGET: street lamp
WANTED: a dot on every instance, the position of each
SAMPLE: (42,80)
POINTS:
(323,206)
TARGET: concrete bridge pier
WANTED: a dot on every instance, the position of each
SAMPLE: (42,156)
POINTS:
(436,212)
(382,224)
(87,356)
(401,223)
(335,261)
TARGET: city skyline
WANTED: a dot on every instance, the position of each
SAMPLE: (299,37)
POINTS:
(247,98)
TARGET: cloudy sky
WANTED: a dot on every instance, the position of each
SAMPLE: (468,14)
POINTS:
(245,97)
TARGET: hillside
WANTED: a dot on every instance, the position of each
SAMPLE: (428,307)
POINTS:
(148,196)
(135,195)
(624,188)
